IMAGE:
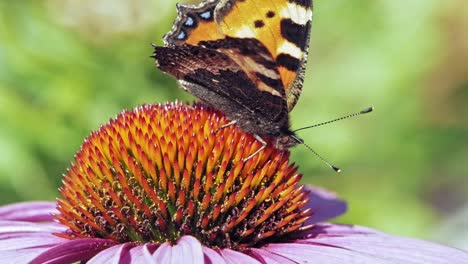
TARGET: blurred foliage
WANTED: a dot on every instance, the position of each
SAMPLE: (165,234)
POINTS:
(68,66)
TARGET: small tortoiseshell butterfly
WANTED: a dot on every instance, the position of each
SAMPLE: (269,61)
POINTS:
(245,58)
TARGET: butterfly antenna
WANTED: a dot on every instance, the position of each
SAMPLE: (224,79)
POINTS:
(300,141)
(365,111)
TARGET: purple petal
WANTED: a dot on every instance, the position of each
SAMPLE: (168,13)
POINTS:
(114,255)
(323,204)
(265,256)
(163,254)
(20,255)
(143,254)
(43,240)
(394,248)
(29,211)
(22,235)
(344,244)
(302,253)
(332,230)
(24,250)
(235,257)
(20,242)
(125,254)
(74,250)
(187,250)
(212,257)
(17,228)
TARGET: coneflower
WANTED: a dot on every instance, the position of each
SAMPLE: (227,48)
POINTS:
(166,184)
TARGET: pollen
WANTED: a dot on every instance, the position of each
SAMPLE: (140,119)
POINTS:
(159,172)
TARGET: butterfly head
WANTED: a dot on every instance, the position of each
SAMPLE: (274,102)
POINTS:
(287,141)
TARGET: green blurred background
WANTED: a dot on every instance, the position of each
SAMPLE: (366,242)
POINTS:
(68,66)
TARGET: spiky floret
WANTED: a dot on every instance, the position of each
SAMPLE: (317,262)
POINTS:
(162,171)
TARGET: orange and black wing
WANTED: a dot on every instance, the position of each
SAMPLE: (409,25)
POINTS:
(281,26)
(220,82)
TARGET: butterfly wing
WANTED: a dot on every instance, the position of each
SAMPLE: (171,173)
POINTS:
(282,27)
(218,80)
(194,23)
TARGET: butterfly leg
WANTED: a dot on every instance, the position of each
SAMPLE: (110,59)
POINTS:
(264,144)
(233,122)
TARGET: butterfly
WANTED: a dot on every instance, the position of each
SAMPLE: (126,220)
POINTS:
(245,58)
